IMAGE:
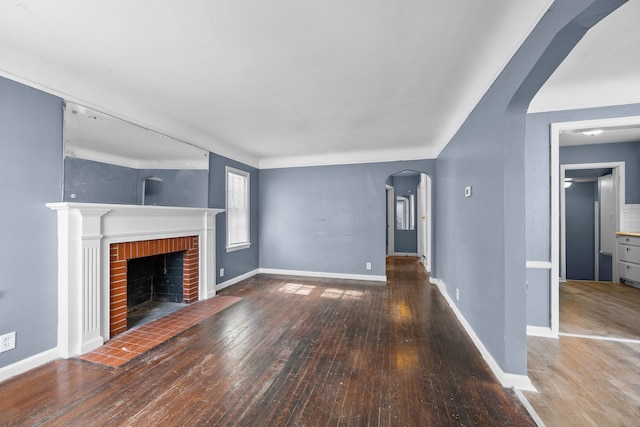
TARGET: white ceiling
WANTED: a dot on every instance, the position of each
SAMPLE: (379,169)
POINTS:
(603,69)
(288,82)
(273,82)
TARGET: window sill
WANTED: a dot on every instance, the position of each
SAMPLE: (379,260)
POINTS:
(238,247)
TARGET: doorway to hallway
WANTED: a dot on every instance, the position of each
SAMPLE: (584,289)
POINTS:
(409,216)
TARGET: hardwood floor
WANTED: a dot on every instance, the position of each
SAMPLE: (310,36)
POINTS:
(600,308)
(293,352)
(589,381)
(135,342)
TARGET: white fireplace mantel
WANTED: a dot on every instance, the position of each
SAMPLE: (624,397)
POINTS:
(85,233)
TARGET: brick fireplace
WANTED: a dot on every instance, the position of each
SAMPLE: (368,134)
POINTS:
(94,243)
(122,252)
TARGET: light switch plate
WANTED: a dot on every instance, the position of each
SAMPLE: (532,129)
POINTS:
(467,191)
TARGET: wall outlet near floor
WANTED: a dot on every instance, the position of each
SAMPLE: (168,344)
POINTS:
(457,294)
(368,266)
(7,342)
(222,272)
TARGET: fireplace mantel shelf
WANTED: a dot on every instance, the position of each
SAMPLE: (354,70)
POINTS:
(85,232)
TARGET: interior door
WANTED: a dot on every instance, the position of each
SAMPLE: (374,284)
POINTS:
(391,218)
(608,214)
(608,192)
(423,235)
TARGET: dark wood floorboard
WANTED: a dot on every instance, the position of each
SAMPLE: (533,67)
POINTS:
(293,352)
(589,382)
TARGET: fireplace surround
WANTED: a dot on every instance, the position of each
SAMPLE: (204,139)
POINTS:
(88,236)
(122,253)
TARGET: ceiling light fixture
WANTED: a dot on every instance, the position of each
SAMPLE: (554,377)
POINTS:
(592,132)
(567,184)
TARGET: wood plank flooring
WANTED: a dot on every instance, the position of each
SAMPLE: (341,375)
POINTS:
(134,342)
(600,308)
(589,382)
(293,352)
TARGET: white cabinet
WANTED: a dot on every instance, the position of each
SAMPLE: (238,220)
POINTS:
(629,258)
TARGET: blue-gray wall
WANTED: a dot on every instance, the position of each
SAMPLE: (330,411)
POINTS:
(481,240)
(406,241)
(30,176)
(538,196)
(628,152)
(327,218)
(580,223)
(242,261)
(96,182)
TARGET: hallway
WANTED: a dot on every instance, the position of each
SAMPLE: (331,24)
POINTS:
(292,351)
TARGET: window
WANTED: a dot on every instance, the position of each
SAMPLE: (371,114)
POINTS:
(237,209)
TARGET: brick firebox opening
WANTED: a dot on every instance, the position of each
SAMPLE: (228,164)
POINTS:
(121,252)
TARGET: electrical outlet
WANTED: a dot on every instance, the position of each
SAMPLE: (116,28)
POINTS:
(368,266)
(222,272)
(457,294)
(7,342)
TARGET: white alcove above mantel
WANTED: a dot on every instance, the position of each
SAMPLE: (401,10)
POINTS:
(85,233)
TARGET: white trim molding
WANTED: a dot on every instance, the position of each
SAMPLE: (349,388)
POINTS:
(346,276)
(405,254)
(540,331)
(520,382)
(530,409)
(29,363)
(237,279)
(542,265)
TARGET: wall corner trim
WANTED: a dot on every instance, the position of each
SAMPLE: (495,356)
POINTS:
(519,382)
(346,276)
(29,363)
(237,279)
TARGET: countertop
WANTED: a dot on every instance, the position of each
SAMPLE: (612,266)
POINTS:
(628,233)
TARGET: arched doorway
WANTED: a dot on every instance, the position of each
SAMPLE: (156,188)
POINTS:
(409,216)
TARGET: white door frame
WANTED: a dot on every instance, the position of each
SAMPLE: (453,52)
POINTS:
(556,129)
(424,220)
(596,240)
(391,219)
(618,176)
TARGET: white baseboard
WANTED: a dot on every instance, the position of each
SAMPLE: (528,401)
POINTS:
(530,409)
(520,382)
(237,279)
(404,254)
(540,331)
(29,363)
(346,276)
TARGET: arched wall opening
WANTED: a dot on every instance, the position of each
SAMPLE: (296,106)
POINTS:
(409,215)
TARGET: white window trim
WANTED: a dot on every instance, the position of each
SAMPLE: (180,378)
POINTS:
(243,245)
